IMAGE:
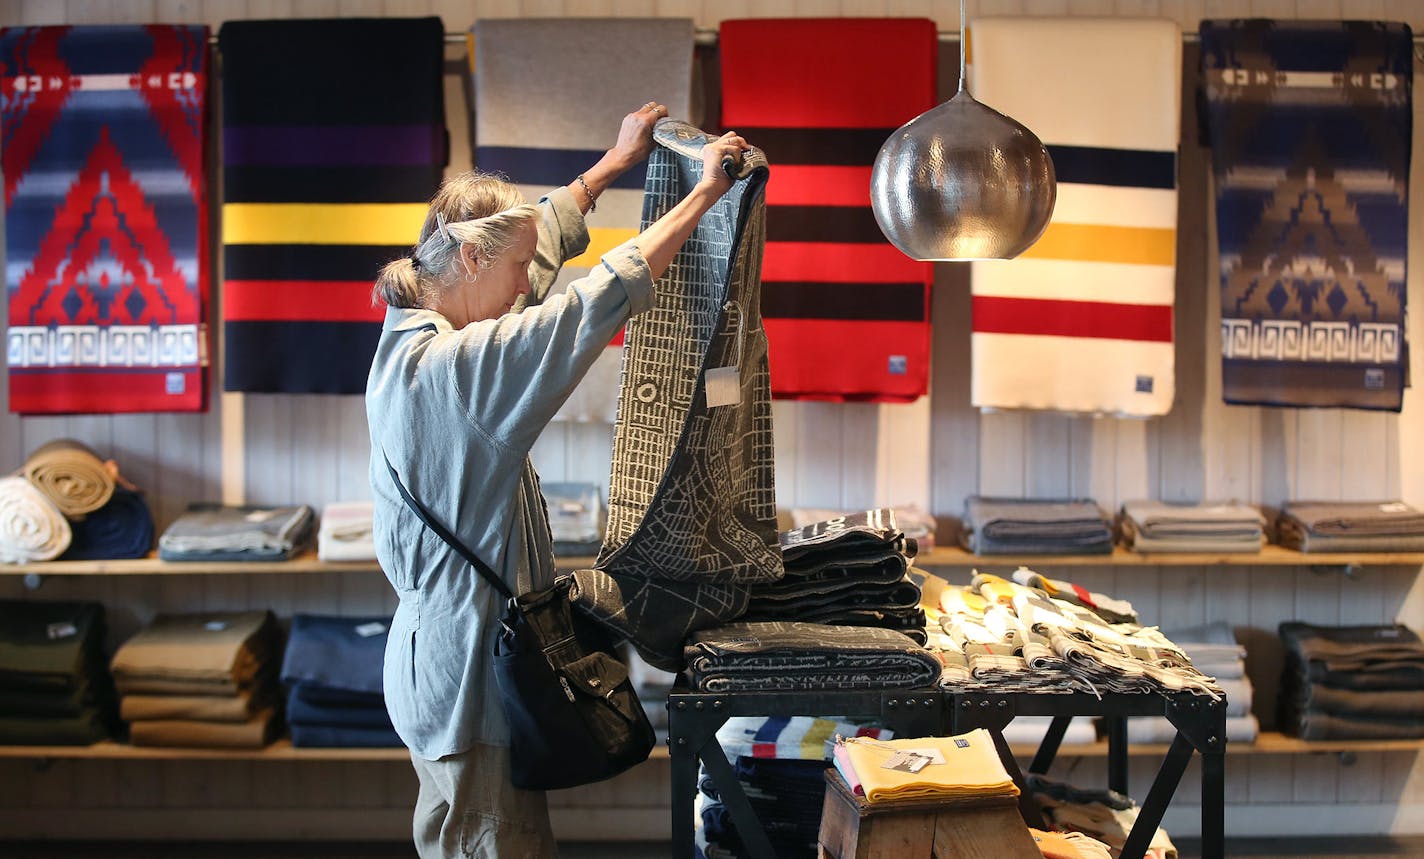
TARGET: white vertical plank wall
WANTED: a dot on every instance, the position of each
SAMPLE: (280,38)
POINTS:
(313,449)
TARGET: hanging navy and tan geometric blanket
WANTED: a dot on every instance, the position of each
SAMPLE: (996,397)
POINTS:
(1310,128)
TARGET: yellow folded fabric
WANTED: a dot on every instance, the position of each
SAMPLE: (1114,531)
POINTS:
(970,768)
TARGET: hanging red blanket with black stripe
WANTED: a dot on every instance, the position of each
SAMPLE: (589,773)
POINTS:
(847,315)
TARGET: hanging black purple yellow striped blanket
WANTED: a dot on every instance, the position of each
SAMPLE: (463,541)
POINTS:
(333,142)
(1310,125)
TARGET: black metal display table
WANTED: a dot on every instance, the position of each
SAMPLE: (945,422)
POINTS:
(694,717)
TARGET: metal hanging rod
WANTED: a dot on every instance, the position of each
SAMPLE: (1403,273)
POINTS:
(708,36)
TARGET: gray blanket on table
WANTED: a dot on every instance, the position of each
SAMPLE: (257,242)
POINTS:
(839,537)
(766,657)
(691,497)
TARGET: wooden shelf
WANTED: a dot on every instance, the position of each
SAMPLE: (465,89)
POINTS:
(1269,556)
(152,566)
(1268,743)
(281,750)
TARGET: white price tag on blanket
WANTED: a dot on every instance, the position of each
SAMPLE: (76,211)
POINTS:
(906,761)
(724,387)
(63,629)
(366,630)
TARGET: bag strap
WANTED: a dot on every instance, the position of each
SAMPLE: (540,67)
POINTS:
(440,531)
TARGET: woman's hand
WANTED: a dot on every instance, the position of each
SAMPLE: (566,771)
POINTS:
(635,135)
(715,152)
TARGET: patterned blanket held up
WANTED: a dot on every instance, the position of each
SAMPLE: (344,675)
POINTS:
(691,497)
(1310,125)
(333,140)
(784,657)
(547,91)
(106,235)
(847,314)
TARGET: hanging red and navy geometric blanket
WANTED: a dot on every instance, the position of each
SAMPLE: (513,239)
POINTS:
(333,142)
(102,138)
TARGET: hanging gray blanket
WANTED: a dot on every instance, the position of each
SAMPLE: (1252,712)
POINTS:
(768,657)
(691,497)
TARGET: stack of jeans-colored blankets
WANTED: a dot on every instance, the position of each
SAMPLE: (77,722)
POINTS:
(846,571)
(332,672)
(1352,682)
(1156,526)
(202,680)
(214,532)
(55,687)
(1346,526)
(1214,652)
(1024,526)
(780,762)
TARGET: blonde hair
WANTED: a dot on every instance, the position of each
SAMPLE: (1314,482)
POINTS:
(479,209)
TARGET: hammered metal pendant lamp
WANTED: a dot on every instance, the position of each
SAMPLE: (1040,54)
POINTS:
(962,181)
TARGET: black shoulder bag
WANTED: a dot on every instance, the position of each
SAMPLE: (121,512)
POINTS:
(573,715)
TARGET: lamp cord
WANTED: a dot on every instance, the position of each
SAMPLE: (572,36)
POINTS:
(963,45)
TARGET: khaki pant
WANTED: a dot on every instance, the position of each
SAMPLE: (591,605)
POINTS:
(468,808)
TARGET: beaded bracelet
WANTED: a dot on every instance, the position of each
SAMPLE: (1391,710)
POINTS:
(589,191)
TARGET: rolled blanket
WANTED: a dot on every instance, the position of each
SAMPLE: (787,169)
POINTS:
(123,528)
(783,656)
(31,527)
(71,475)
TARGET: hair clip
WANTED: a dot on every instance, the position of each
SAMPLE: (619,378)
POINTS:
(440,227)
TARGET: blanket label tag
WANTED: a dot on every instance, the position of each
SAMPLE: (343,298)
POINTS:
(906,761)
(1394,507)
(724,387)
(215,625)
(63,629)
(366,630)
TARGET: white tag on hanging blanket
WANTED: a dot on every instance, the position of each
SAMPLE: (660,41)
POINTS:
(724,387)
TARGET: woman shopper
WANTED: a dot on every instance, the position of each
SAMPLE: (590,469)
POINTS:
(459,390)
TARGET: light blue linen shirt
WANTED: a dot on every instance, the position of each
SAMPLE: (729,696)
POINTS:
(457,413)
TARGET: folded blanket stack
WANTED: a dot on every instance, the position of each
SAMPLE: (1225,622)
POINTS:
(927,768)
(1351,526)
(785,656)
(1352,682)
(205,680)
(780,762)
(1214,652)
(55,688)
(346,532)
(847,571)
(332,673)
(577,517)
(1020,526)
(1156,526)
(1105,815)
(213,532)
(1003,636)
